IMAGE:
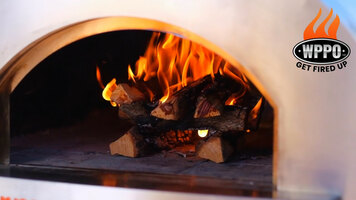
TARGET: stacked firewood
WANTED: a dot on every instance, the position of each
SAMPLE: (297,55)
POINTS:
(175,122)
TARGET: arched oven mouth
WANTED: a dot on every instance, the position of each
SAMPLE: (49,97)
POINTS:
(143,102)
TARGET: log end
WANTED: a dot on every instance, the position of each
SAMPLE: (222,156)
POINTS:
(211,113)
(208,107)
(215,149)
(125,94)
(128,145)
(165,111)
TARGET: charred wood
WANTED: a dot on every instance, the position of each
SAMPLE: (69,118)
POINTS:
(208,106)
(234,119)
(178,105)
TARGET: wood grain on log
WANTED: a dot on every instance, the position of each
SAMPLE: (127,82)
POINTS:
(125,94)
(131,144)
(215,149)
(210,106)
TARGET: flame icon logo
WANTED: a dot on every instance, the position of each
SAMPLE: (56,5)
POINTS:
(320,31)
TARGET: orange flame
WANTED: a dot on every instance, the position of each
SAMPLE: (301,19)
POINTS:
(150,93)
(131,75)
(98,77)
(240,78)
(109,88)
(254,112)
(176,62)
(320,31)
(232,100)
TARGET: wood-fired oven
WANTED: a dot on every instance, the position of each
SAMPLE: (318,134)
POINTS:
(175,99)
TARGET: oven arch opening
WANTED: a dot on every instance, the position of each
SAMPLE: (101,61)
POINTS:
(31,56)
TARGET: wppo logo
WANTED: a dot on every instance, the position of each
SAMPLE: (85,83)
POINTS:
(321,51)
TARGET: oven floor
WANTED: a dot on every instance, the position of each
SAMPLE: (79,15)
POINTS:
(86,145)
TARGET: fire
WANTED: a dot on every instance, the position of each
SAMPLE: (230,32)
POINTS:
(176,62)
(130,75)
(320,31)
(98,77)
(254,112)
(109,88)
(203,133)
(232,100)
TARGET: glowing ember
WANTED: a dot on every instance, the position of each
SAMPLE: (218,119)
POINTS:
(203,133)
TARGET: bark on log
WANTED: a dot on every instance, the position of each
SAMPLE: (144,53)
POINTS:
(133,111)
(211,101)
(233,119)
(215,149)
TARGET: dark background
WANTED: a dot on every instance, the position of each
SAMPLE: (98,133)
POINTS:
(63,88)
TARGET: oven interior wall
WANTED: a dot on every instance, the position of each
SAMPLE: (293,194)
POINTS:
(59,118)
(63,88)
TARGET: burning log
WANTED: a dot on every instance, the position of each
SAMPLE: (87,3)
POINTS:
(130,101)
(233,119)
(212,99)
(134,143)
(215,149)
(167,129)
(125,94)
(171,123)
(131,144)
(218,103)
(179,104)
(133,111)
